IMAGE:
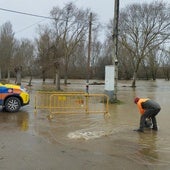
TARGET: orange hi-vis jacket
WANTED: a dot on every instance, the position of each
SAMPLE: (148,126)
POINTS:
(139,104)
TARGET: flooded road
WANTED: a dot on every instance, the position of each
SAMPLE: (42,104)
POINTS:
(88,141)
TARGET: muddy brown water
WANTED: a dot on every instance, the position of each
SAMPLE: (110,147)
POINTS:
(79,141)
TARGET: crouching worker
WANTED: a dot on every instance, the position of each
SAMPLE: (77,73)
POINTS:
(148,109)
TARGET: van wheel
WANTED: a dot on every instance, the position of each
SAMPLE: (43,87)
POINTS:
(12,104)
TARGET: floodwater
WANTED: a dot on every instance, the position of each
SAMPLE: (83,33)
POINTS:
(31,141)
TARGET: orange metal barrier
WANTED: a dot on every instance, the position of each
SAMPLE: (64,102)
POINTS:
(72,102)
(42,98)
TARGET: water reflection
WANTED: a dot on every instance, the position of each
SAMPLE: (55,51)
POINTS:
(12,120)
(147,147)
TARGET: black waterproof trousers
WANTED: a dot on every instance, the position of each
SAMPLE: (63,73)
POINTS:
(149,113)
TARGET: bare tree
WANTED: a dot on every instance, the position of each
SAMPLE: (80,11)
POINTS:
(23,58)
(44,45)
(71,26)
(143,28)
(125,63)
(166,64)
(78,61)
(6,48)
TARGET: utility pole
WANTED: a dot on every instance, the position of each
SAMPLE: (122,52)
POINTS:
(89,53)
(115,47)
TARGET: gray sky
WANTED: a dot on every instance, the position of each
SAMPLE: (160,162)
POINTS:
(25,26)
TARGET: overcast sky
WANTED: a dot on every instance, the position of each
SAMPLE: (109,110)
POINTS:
(25,26)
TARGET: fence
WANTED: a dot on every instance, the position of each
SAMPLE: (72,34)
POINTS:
(42,98)
(71,102)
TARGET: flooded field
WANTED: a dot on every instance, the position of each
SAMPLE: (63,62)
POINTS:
(31,141)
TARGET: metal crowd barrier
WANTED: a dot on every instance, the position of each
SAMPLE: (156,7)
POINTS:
(42,98)
(71,102)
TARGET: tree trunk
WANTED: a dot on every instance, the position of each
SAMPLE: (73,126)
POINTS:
(8,76)
(66,72)
(57,81)
(57,76)
(18,70)
(18,77)
(43,76)
(30,80)
(134,79)
(0,74)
